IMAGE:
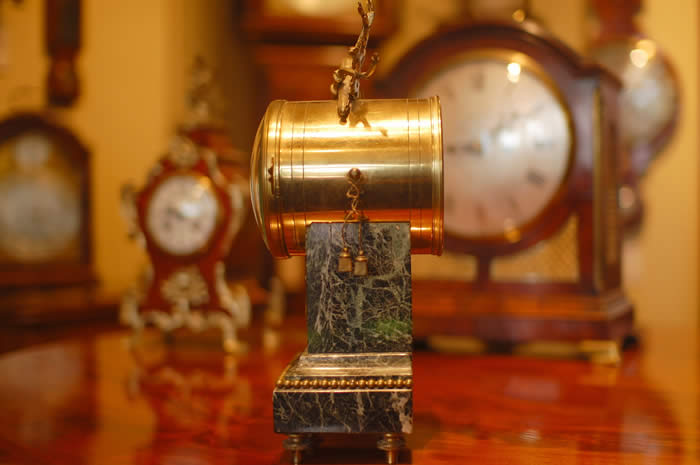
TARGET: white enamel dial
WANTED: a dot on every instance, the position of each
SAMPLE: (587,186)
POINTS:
(182,214)
(649,96)
(40,211)
(507,145)
(39,216)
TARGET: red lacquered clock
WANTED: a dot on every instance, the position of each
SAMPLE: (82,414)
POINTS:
(186,215)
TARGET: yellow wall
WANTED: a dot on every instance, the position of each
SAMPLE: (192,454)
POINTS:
(666,290)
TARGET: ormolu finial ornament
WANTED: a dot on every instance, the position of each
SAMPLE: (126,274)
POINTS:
(346,85)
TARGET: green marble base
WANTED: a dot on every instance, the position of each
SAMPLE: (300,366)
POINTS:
(345,393)
(356,375)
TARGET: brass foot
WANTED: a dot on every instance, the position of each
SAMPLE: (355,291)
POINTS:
(601,352)
(297,444)
(392,443)
(456,345)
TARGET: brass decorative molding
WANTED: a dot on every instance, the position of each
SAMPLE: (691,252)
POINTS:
(346,383)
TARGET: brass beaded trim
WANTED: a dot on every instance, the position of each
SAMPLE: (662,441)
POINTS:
(345,383)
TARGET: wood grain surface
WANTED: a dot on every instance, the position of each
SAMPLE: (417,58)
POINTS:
(100,399)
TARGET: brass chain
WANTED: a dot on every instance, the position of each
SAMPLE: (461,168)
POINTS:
(353,193)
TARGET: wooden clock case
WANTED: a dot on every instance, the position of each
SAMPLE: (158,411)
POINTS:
(263,24)
(76,267)
(592,306)
(297,54)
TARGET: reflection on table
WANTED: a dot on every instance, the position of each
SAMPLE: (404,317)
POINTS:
(99,400)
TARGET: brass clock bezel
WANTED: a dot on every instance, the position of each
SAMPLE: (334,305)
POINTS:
(506,55)
(201,179)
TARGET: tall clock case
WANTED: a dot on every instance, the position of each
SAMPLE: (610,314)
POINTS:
(532,234)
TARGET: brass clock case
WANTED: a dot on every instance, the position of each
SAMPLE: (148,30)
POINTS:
(302,154)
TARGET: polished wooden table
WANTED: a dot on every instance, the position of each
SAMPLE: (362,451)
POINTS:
(97,400)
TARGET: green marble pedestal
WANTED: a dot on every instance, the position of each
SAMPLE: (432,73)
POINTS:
(356,374)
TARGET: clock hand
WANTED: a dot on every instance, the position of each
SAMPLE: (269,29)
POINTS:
(536,178)
(472,147)
(514,116)
(507,120)
(172,211)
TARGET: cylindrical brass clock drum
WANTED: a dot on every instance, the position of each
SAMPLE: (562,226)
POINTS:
(303,154)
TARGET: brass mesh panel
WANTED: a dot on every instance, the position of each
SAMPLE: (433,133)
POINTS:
(449,266)
(555,259)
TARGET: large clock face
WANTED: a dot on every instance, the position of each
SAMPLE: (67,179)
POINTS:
(40,214)
(507,145)
(649,96)
(182,214)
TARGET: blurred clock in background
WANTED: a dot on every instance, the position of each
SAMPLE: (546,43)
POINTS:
(507,163)
(186,215)
(650,99)
(44,205)
(532,243)
(187,204)
(650,96)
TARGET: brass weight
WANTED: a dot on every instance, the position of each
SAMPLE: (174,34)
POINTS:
(303,153)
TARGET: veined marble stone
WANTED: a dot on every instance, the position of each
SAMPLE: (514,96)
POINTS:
(345,393)
(356,375)
(359,314)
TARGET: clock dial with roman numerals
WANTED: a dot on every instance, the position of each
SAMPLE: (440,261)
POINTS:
(507,145)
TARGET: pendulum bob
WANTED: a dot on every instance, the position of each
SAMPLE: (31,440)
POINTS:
(355,375)
(360,267)
(345,261)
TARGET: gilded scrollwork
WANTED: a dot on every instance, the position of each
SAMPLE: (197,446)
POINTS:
(234,301)
(346,79)
(183,152)
(186,284)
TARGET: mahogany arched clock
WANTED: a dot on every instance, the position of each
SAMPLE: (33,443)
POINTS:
(532,233)
(45,227)
(186,216)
